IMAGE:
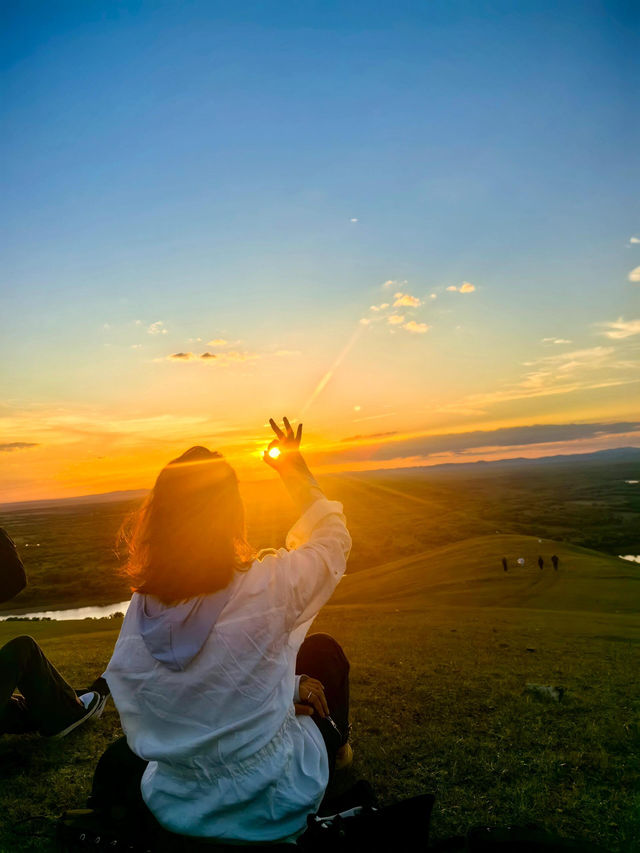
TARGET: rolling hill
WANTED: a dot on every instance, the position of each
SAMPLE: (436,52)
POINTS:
(470,574)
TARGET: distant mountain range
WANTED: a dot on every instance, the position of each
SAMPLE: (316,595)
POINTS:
(48,503)
(616,455)
(630,455)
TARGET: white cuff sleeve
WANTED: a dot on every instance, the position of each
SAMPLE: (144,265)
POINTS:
(301,531)
(296,692)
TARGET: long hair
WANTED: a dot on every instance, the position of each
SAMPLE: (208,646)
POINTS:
(189,536)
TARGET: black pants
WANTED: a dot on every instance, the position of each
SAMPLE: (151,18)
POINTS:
(116,783)
(46,703)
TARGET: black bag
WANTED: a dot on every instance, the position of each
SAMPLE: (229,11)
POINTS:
(362,827)
(402,826)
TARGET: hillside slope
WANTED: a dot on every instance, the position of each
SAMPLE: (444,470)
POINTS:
(469,573)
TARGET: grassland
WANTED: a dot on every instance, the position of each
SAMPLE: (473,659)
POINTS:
(442,643)
(71,559)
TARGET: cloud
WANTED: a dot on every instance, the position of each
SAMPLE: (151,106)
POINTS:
(621,328)
(392,282)
(370,436)
(380,307)
(395,319)
(17,445)
(405,299)
(634,239)
(569,361)
(384,446)
(465,287)
(157,328)
(223,359)
(561,373)
(634,275)
(354,219)
(416,328)
(556,341)
(365,321)
(217,342)
(433,296)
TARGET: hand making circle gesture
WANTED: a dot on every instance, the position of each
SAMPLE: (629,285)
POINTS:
(285,442)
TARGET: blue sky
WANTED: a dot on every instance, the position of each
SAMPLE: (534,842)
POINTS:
(256,174)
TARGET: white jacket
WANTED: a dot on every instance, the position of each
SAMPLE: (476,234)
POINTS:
(228,758)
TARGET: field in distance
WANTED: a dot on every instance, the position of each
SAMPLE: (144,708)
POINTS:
(69,548)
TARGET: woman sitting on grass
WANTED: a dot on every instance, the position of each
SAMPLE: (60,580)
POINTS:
(222,738)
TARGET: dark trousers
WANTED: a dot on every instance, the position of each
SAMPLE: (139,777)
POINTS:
(46,703)
(116,783)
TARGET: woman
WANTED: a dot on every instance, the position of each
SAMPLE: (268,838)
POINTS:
(204,670)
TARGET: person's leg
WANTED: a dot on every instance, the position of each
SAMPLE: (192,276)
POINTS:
(48,704)
(116,782)
(321,657)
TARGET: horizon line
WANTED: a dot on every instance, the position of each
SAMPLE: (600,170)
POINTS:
(509,459)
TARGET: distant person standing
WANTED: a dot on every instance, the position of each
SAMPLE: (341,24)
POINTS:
(45,702)
(540,563)
(505,565)
(555,562)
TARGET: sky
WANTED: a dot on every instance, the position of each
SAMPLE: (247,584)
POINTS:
(412,226)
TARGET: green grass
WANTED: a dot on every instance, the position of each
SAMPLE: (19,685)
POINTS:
(437,705)
(470,573)
(442,643)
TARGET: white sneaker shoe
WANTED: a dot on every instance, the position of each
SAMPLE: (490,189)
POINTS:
(94,706)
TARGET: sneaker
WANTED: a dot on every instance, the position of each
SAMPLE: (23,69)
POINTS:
(344,756)
(94,706)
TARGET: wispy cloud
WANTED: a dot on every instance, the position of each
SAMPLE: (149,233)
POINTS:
(225,359)
(11,446)
(621,328)
(217,342)
(416,328)
(354,219)
(380,307)
(633,240)
(157,328)
(561,373)
(421,445)
(393,282)
(406,300)
(465,287)
(556,341)
(222,359)
(634,275)
(395,319)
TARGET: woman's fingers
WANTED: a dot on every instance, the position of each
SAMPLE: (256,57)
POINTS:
(288,428)
(299,434)
(312,693)
(276,428)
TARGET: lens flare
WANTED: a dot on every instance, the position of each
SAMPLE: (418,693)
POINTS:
(274,452)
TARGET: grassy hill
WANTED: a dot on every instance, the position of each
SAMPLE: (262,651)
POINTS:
(470,574)
(441,646)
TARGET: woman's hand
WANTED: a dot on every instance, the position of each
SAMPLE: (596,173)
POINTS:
(312,698)
(286,443)
(284,456)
